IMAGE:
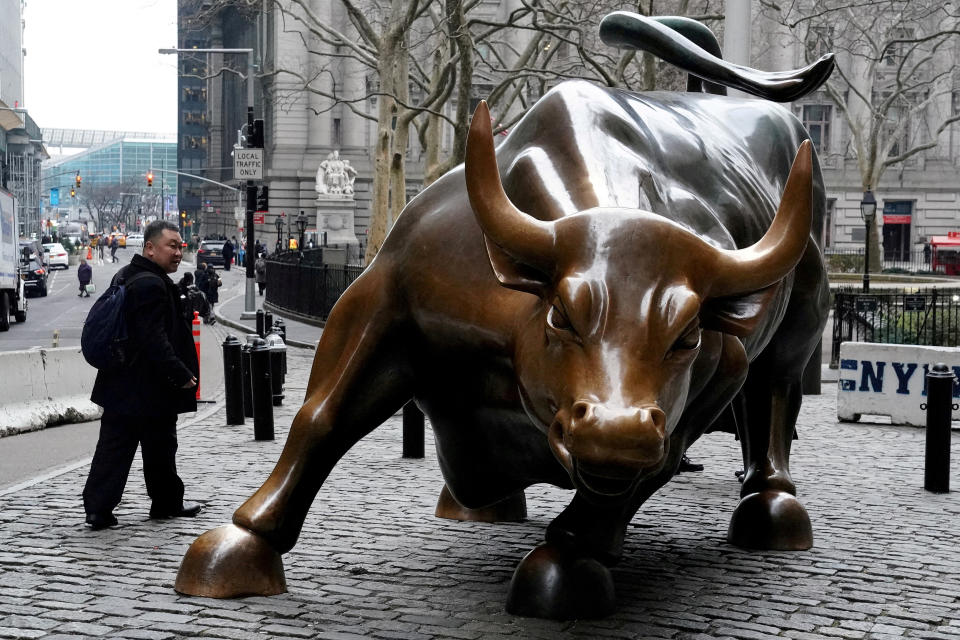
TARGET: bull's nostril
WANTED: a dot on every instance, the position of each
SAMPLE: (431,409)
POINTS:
(580,410)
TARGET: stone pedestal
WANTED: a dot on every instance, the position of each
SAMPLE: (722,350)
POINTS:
(335,218)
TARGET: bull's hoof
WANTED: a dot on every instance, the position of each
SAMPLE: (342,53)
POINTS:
(229,562)
(510,509)
(770,520)
(554,581)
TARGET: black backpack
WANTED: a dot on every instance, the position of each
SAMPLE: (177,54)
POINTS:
(103,340)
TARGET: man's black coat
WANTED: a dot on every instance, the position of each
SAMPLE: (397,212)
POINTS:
(161,345)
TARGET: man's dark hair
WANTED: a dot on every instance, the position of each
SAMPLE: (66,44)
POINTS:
(155,230)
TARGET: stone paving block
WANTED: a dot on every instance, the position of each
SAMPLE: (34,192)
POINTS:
(85,629)
(13,632)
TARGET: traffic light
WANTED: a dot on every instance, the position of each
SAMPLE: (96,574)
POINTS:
(73,192)
(79,179)
(263,199)
(256,140)
(150,178)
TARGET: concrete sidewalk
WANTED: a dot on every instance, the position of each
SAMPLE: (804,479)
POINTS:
(373,561)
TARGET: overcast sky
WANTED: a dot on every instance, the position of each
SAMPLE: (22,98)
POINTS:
(93,64)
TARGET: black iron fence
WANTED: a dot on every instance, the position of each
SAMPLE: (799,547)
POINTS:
(303,286)
(892,316)
(851,261)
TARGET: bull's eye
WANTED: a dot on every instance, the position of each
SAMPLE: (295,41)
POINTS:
(689,340)
(557,319)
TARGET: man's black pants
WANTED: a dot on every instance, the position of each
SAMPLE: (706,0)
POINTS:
(119,437)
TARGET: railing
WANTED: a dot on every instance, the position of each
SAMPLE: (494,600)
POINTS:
(304,287)
(851,261)
(925,317)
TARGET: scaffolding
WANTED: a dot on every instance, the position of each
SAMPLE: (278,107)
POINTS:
(24,183)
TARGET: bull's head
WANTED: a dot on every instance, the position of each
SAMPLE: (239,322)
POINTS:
(605,361)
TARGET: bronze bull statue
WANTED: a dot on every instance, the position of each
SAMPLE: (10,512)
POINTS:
(577,307)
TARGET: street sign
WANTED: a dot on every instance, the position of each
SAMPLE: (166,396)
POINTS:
(258,218)
(248,164)
(54,197)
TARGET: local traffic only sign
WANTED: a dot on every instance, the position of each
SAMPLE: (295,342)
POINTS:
(248,164)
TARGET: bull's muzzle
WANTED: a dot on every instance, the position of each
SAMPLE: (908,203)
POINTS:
(607,450)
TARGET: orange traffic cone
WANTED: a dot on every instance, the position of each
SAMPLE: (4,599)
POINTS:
(89,253)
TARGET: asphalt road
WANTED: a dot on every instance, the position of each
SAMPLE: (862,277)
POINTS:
(30,457)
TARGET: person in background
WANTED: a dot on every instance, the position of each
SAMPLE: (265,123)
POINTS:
(202,279)
(227,255)
(85,276)
(260,272)
(213,286)
(114,245)
(240,246)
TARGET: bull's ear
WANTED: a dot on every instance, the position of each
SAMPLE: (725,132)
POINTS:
(737,315)
(514,274)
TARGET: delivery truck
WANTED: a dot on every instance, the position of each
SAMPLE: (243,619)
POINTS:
(13,298)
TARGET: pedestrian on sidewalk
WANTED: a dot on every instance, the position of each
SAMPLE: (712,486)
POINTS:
(213,286)
(114,245)
(227,255)
(201,278)
(85,276)
(100,249)
(141,399)
(260,272)
(194,300)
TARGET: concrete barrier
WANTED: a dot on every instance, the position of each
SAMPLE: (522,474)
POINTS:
(889,380)
(44,387)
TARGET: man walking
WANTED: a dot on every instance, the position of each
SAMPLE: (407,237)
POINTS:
(227,255)
(84,275)
(141,400)
(114,245)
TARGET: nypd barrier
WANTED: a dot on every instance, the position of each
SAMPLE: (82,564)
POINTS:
(890,380)
(44,387)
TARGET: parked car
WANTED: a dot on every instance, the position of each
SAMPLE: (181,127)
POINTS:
(135,240)
(35,278)
(36,250)
(211,252)
(56,255)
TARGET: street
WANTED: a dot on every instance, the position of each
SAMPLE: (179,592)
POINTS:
(28,457)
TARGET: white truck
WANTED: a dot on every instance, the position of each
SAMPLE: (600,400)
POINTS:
(13,299)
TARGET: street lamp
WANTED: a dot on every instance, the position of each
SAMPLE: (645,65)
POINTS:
(301,227)
(249,300)
(868,211)
(278,223)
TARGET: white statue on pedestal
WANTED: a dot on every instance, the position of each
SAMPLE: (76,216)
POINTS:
(335,177)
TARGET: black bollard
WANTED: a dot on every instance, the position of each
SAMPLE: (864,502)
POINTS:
(233,380)
(262,390)
(412,431)
(936,473)
(267,322)
(245,372)
(278,357)
(261,331)
(281,328)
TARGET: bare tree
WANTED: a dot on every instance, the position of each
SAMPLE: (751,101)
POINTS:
(896,83)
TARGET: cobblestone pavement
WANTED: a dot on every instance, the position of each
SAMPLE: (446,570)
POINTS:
(373,562)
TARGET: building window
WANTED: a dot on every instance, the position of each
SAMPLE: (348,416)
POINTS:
(336,134)
(895,52)
(816,118)
(828,223)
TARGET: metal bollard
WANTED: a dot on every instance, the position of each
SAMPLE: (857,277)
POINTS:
(261,331)
(278,361)
(245,368)
(267,322)
(233,380)
(280,327)
(262,390)
(413,429)
(936,472)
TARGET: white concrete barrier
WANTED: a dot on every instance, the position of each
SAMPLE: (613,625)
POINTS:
(44,387)
(889,380)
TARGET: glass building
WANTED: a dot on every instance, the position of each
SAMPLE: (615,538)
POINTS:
(116,169)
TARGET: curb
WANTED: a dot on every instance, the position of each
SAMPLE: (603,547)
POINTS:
(239,326)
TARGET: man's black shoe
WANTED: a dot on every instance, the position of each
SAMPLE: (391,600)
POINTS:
(99,521)
(687,465)
(188,510)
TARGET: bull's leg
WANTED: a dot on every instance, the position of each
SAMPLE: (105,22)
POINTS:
(510,509)
(359,378)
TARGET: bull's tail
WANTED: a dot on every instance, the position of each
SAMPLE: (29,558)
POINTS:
(691,46)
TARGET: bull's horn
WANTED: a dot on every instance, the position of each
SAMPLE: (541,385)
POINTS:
(522,236)
(780,249)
